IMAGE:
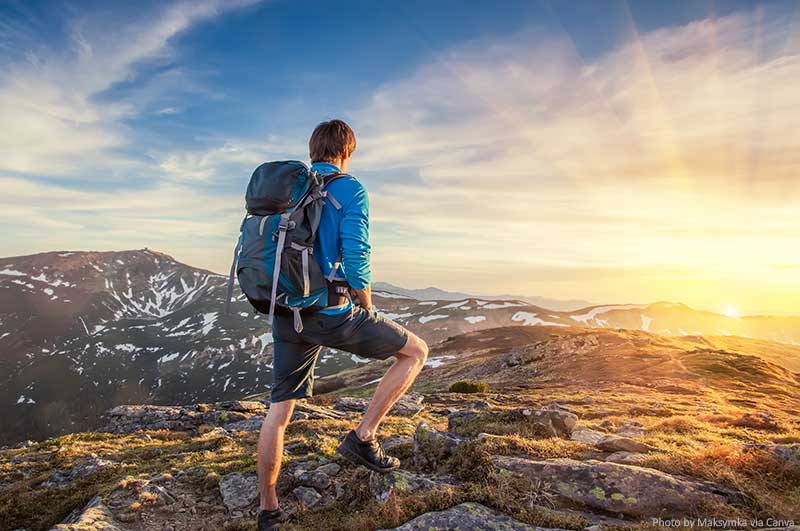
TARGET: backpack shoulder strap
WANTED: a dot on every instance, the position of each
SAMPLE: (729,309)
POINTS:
(328,179)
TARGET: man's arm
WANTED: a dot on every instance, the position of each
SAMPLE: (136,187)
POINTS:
(356,250)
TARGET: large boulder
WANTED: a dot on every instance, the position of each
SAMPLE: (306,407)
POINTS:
(432,447)
(473,516)
(618,488)
(238,491)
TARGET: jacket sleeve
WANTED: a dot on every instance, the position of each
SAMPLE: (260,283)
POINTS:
(354,238)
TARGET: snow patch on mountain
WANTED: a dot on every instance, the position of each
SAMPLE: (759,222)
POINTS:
(591,314)
(473,319)
(500,306)
(530,319)
(427,318)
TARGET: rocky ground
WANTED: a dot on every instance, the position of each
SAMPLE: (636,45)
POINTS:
(556,453)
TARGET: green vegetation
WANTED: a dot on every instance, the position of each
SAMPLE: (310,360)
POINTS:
(466,386)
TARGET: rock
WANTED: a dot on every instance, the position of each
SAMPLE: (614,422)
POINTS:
(555,419)
(432,447)
(481,404)
(551,421)
(133,418)
(409,405)
(395,441)
(626,458)
(461,417)
(304,410)
(630,429)
(307,496)
(470,515)
(786,454)
(587,436)
(25,444)
(94,516)
(251,424)
(158,495)
(244,406)
(607,425)
(617,488)
(609,442)
(316,478)
(383,484)
(331,469)
(238,490)
(60,480)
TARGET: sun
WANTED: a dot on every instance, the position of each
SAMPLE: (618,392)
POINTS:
(730,311)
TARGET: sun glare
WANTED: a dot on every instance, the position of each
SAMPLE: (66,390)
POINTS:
(730,311)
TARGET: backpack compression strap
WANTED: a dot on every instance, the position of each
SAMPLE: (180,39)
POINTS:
(236,251)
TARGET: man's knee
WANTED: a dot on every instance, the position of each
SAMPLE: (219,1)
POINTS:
(416,349)
(280,414)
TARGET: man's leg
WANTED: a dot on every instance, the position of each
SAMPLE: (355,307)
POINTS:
(407,365)
(270,451)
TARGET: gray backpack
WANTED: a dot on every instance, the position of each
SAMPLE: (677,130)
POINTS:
(273,259)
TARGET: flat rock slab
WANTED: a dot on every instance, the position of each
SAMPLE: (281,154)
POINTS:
(624,489)
(473,516)
(238,490)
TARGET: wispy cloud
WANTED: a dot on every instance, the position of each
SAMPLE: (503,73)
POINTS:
(676,149)
(55,120)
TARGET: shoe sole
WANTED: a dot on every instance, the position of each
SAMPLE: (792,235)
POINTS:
(358,460)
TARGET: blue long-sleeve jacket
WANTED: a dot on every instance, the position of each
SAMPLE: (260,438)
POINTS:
(343,234)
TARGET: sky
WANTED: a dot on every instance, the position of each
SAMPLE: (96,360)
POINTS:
(610,151)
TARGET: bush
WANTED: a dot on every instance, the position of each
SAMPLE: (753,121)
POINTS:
(469,387)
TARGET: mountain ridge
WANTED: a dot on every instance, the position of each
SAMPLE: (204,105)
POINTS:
(82,332)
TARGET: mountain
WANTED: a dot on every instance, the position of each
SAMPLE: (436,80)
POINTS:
(81,332)
(432,293)
(577,429)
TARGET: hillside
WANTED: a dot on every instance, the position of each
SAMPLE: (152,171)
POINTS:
(580,430)
(81,332)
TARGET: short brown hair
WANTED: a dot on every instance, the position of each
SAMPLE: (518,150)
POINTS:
(331,140)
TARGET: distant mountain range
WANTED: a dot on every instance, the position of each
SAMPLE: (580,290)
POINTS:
(433,294)
(81,332)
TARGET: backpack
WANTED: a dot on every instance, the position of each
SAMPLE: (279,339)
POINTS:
(273,259)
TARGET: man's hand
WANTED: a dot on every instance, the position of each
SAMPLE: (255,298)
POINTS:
(364,297)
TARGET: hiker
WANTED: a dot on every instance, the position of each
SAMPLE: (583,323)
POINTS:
(343,319)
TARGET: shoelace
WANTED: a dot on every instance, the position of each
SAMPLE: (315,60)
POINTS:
(379,451)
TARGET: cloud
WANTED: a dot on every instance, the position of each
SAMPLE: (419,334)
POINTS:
(668,149)
(55,118)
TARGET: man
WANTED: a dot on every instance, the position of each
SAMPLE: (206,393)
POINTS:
(343,252)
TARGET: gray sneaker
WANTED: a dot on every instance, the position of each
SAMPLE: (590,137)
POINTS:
(367,453)
(271,520)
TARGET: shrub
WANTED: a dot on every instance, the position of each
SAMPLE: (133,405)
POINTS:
(465,386)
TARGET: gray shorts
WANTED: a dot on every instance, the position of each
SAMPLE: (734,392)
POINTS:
(358,331)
